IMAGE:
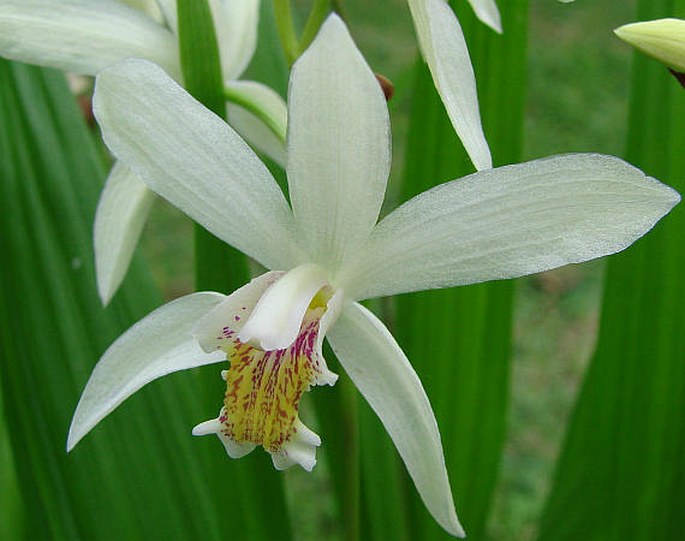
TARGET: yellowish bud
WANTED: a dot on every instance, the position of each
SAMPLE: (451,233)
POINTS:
(663,39)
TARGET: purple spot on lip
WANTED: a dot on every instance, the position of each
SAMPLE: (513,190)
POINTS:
(237,318)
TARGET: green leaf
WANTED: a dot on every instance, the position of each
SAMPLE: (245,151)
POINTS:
(459,339)
(621,474)
(140,474)
(199,50)
(11,510)
(218,267)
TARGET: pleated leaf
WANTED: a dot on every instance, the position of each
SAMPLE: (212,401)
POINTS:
(621,473)
(140,474)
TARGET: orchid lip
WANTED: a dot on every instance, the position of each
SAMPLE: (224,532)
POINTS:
(275,320)
(264,386)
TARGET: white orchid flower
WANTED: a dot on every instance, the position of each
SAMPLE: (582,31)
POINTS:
(326,252)
(85,36)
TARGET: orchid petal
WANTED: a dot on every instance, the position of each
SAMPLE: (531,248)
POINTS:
(444,48)
(119,219)
(195,160)
(265,134)
(82,36)
(488,13)
(235,23)
(380,370)
(157,345)
(511,221)
(275,321)
(234,310)
(338,145)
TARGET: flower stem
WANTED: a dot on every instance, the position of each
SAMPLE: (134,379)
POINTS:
(351,486)
(286,30)
(317,15)
(200,62)
(218,267)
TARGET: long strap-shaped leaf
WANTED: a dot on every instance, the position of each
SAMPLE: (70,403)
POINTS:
(140,475)
(621,474)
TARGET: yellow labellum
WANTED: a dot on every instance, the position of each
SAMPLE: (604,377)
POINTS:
(264,388)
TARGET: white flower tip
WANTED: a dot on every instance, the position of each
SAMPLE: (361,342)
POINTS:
(496,25)
(673,196)
(301,449)
(667,196)
(105,292)
(458,531)
(233,448)
(77,430)
(327,378)
(333,21)
(488,13)
(72,440)
(213,426)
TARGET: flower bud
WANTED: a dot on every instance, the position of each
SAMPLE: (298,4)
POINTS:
(663,39)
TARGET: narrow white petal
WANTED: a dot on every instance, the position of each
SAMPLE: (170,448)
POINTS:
(119,219)
(82,36)
(157,345)
(233,311)
(235,23)
(275,322)
(269,139)
(444,49)
(195,160)
(382,373)
(511,221)
(487,12)
(338,145)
